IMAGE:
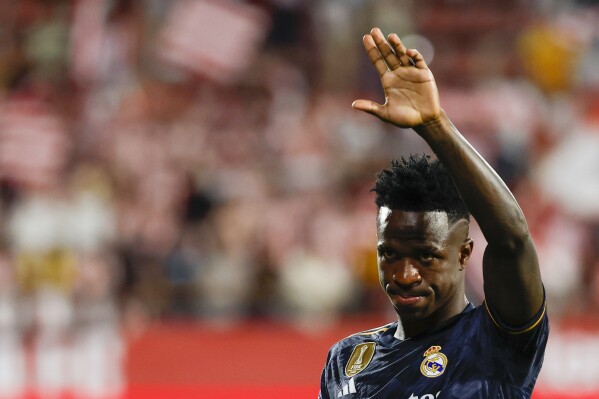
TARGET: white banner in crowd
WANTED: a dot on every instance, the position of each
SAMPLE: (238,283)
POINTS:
(216,39)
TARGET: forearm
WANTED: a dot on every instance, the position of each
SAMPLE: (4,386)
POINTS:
(486,195)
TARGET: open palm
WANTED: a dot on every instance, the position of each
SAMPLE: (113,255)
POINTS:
(411,96)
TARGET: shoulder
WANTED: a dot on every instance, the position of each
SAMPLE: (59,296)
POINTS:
(371,335)
(503,343)
(482,320)
(373,332)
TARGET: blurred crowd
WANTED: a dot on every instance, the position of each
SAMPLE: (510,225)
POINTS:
(199,159)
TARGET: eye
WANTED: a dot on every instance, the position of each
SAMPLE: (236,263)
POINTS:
(427,256)
(386,253)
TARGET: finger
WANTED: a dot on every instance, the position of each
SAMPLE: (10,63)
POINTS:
(400,50)
(374,55)
(368,106)
(385,49)
(417,58)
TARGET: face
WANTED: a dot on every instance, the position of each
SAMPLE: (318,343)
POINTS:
(421,261)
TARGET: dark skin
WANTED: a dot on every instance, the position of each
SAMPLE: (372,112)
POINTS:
(421,259)
(512,286)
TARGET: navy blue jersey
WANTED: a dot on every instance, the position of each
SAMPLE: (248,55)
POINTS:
(471,356)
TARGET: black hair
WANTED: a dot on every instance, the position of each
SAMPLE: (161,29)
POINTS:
(419,183)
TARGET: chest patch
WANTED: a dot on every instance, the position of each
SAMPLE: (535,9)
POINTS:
(434,362)
(360,358)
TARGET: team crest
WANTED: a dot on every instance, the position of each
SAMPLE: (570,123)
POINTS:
(434,362)
(360,358)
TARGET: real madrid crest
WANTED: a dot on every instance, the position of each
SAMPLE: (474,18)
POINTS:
(434,362)
(360,358)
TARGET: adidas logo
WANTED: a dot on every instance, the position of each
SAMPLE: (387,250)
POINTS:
(348,388)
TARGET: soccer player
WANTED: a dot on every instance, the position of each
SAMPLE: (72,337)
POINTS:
(441,346)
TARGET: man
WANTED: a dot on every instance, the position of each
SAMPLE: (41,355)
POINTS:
(441,346)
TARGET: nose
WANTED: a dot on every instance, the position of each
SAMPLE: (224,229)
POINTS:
(406,275)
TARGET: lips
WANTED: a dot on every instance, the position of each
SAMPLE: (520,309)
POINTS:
(405,299)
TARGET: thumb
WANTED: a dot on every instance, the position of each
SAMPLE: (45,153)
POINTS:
(369,106)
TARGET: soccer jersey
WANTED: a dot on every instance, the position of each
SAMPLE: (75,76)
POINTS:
(471,356)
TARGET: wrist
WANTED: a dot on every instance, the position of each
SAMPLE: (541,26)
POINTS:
(441,122)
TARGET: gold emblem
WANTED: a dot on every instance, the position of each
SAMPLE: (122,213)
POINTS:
(434,362)
(360,358)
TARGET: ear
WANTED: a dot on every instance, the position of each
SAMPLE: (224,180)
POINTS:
(465,252)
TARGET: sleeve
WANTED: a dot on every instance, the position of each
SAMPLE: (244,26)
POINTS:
(528,327)
(519,350)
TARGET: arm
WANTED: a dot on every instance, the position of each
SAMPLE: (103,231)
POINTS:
(513,285)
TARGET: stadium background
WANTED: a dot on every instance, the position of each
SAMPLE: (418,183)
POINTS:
(184,187)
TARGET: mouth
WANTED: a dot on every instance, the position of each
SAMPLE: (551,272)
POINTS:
(404,299)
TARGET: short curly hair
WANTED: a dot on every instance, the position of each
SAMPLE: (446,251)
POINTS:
(419,183)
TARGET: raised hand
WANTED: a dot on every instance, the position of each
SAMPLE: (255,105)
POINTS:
(411,96)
